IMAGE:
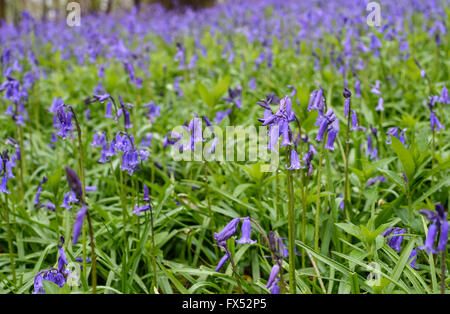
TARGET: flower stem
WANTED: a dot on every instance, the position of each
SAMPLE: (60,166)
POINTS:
(291,228)
(10,244)
(211,216)
(319,173)
(91,232)
(347,202)
(443,272)
(154,282)
(304,186)
(124,222)
(233,265)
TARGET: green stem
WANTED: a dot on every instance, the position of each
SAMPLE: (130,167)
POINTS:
(291,228)
(304,186)
(233,265)
(91,232)
(347,202)
(10,244)
(154,282)
(319,173)
(211,216)
(443,272)
(124,222)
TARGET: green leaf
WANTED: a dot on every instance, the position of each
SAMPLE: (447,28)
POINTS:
(205,95)
(221,87)
(394,178)
(351,229)
(50,287)
(405,157)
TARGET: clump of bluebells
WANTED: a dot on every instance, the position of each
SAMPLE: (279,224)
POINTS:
(123,142)
(58,275)
(230,230)
(279,126)
(327,122)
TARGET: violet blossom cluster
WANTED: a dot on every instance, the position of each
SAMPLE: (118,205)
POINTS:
(327,122)
(57,275)
(230,230)
(279,126)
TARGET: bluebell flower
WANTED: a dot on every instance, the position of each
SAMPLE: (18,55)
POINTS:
(413,256)
(444,96)
(246,229)
(78,224)
(252,83)
(146,207)
(355,125)
(147,140)
(98,141)
(220,115)
(227,232)
(380,107)
(176,86)
(308,157)
(395,241)
(180,55)
(222,261)
(5,172)
(316,101)
(128,66)
(130,161)
(57,276)
(376,88)
(358,88)
(108,113)
(295,162)
(434,121)
(375,179)
(371,149)
(234,96)
(273,275)
(439,224)
(138,210)
(63,123)
(333,130)
(153,111)
(394,132)
(275,287)
(38,192)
